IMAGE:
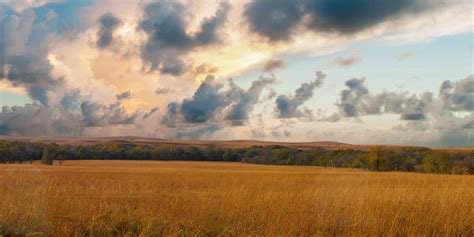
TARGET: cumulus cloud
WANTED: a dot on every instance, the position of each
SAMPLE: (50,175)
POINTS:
(448,115)
(95,114)
(356,100)
(68,120)
(165,25)
(204,103)
(37,120)
(458,96)
(284,18)
(209,101)
(171,116)
(243,101)
(23,63)
(211,107)
(108,24)
(288,106)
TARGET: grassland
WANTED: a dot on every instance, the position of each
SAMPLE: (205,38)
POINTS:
(152,198)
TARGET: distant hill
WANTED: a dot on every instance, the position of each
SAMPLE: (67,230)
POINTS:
(330,145)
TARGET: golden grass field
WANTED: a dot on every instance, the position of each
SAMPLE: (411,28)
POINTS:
(152,198)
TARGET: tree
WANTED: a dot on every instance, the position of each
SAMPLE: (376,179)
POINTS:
(47,158)
(437,162)
(375,158)
(60,158)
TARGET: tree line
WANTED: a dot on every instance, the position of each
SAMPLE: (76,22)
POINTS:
(377,159)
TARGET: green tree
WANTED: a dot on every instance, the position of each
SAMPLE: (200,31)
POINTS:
(47,158)
(438,162)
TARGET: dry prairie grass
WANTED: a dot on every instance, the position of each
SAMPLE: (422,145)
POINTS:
(151,198)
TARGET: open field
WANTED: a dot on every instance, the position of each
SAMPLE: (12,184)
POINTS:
(153,198)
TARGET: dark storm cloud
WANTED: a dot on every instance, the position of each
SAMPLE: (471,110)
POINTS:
(25,64)
(458,96)
(165,24)
(288,106)
(282,17)
(279,21)
(108,24)
(124,95)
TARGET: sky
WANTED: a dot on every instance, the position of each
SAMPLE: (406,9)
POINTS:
(354,71)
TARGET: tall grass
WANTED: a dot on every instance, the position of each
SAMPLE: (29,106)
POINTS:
(134,198)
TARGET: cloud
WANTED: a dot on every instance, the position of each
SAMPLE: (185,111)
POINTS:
(209,101)
(23,63)
(205,102)
(167,41)
(458,96)
(20,5)
(108,24)
(357,100)
(150,113)
(448,116)
(288,106)
(199,132)
(95,114)
(124,95)
(171,116)
(279,21)
(284,18)
(211,107)
(346,61)
(37,120)
(205,68)
(419,126)
(161,91)
(71,117)
(273,64)
(243,101)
